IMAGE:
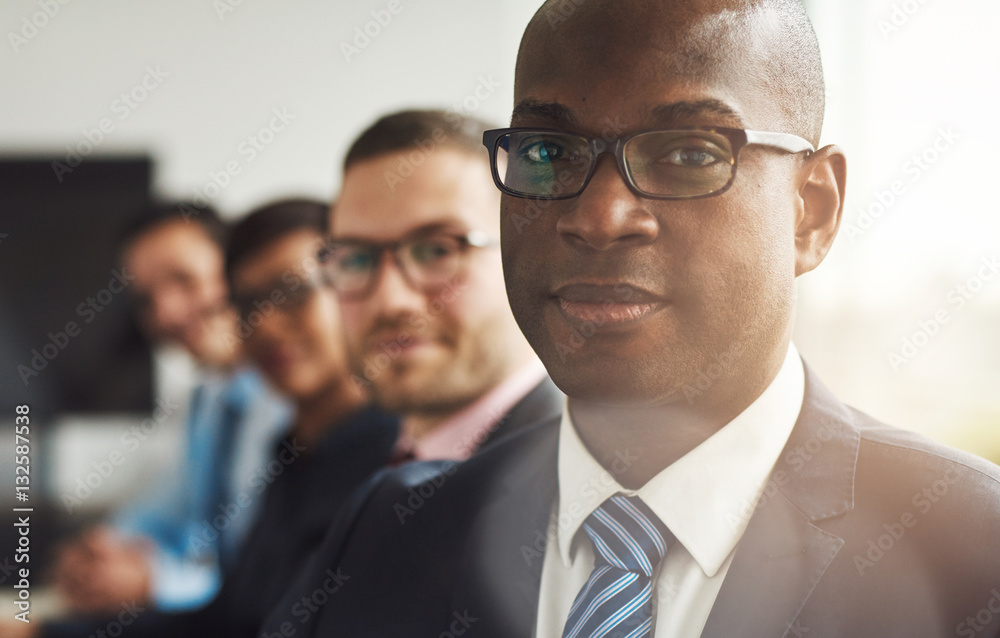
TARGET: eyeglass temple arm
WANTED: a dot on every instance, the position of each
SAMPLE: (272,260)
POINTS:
(784,141)
(479,239)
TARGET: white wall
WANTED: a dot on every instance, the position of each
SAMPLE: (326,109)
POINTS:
(226,75)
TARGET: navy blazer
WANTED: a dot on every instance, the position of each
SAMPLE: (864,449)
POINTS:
(864,530)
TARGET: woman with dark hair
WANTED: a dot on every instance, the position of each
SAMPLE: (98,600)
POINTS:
(289,323)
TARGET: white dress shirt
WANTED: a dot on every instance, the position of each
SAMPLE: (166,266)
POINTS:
(705,498)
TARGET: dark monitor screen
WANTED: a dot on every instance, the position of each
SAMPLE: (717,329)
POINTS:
(68,340)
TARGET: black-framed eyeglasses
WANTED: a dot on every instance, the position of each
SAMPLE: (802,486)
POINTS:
(686,163)
(428,261)
(287,296)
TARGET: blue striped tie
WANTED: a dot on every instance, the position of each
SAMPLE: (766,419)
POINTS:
(630,540)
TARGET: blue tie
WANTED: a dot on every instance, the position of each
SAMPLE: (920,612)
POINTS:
(630,540)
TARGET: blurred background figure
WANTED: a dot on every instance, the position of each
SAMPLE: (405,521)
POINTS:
(289,324)
(415,259)
(166,550)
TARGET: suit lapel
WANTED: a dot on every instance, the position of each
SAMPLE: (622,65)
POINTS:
(504,551)
(784,553)
(541,404)
(779,561)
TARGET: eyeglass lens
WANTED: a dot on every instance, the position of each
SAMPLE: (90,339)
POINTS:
(659,163)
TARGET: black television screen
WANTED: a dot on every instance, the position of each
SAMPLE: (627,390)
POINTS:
(68,341)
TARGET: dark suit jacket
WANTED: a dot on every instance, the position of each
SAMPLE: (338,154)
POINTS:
(298,508)
(865,530)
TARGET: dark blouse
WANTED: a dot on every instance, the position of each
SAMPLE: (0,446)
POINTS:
(307,487)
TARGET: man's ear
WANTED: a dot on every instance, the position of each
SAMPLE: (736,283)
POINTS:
(823,176)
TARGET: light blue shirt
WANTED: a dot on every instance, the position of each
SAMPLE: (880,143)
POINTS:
(196,521)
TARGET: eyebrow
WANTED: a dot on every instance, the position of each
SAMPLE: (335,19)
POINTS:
(684,111)
(536,109)
(252,293)
(689,110)
(419,231)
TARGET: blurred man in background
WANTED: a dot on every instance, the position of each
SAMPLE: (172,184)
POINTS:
(414,256)
(166,551)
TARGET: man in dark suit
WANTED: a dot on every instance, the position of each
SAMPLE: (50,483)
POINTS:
(414,257)
(701,481)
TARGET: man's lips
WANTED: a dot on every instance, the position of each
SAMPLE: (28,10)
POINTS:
(609,305)
(396,343)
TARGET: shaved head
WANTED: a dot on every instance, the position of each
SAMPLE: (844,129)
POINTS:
(666,286)
(769,44)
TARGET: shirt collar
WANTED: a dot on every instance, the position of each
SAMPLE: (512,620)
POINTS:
(458,437)
(707,496)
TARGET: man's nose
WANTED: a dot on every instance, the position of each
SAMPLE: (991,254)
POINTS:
(170,312)
(273,324)
(607,214)
(392,292)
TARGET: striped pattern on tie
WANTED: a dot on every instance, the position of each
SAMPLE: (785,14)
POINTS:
(616,601)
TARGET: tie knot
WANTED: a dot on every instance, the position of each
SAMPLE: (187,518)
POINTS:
(627,534)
